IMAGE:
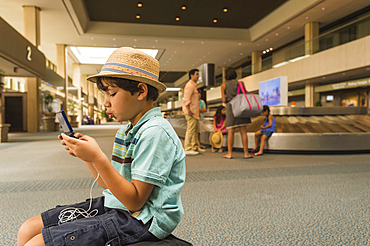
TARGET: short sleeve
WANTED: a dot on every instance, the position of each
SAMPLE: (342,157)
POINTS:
(154,156)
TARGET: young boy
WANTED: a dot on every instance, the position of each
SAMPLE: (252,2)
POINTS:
(143,180)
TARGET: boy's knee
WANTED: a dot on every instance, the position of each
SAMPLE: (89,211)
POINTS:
(30,228)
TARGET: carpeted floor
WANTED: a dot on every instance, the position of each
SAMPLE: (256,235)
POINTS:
(275,199)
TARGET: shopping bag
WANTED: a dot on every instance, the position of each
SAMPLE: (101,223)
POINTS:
(246,105)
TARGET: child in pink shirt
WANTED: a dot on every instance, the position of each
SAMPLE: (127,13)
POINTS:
(219,123)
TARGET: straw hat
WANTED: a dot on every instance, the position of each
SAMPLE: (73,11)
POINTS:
(129,63)
(216,139)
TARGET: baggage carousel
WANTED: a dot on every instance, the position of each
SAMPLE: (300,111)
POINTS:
(300,129)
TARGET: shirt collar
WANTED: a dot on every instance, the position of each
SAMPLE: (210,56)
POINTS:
(148,115)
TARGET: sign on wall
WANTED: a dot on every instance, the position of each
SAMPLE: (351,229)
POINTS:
(274,92)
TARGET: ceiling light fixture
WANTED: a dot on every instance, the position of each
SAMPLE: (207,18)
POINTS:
(323,9)
(138,16)
(288,27)
(139,4)
(215,20)
(177,18)
(225,10)
(183,7)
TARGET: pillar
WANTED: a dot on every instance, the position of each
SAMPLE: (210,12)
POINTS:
(310,97)
(91,100)
(31,15)
(311,32)
(223,74)
(256,61)
(77,83)
(62,71)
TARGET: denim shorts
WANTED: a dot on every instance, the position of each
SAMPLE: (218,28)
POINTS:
(267,133)
(109,227)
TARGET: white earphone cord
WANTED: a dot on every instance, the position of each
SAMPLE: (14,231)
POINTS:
(71,214)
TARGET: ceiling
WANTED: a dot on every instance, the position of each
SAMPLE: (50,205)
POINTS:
(229,14)
(248,25)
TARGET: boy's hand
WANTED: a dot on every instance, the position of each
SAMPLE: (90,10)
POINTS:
(85,147)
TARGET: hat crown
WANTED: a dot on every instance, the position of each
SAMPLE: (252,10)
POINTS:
(135,58)
(216,138)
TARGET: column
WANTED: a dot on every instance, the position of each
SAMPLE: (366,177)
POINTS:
(310,97)
(62,71)
(31,16)
(77,83)
(91,100)
(256,61)
(311,31)
(223,74)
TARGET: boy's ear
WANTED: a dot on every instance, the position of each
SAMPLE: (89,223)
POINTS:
(143,91)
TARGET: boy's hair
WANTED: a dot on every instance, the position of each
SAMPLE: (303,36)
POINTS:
(192,72)
(219,114)
(230,74)
(266,108)
(127,85)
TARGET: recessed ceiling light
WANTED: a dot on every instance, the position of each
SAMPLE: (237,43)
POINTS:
(156,41)
(258,44)
(264,52)
(322,8)
(225,10)
(175,52)
(271,48)
(138,16)
(215,20)
(209,53)
(202,42)
(277,34)
(306,17)
(183,7)
(177,18)
(288,27)
(267,39)
(135,39)
(183,42)
(241,54)
(343,73)
(323,77)
(114,39)
(240,43)
(368,68)
(92,38)
(139,4)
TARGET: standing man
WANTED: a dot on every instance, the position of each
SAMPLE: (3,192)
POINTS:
(190,109)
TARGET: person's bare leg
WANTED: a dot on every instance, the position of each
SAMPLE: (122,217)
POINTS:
(243,134)
(29,229)
(256,138)
(37,240)
(262,145)
(230,143)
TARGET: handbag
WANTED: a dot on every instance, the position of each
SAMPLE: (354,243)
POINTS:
(246,105)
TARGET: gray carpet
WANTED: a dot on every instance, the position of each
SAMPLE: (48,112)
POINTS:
(275,199)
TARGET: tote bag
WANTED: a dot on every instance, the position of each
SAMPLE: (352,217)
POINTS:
(246,105)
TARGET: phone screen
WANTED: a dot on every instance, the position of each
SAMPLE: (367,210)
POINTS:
(63,120)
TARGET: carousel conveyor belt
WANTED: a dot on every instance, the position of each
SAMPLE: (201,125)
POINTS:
(334,129)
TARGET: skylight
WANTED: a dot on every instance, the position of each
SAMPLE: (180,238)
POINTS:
(94,55)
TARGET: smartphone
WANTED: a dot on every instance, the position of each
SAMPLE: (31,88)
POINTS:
(63,120)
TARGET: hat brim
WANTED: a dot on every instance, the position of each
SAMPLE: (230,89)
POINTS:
(216,145)
(156,84)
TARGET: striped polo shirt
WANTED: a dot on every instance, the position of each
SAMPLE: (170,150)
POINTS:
(151,152)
